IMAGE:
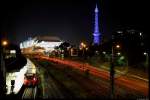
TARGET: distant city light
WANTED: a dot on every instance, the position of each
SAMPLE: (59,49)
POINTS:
(80,48)
(122,57)
(140,34)
(104,52)
(86,48)
(118,53)
(145,53)
(4,43)
(83,45)
(13,51)
(117,46)
(119,31)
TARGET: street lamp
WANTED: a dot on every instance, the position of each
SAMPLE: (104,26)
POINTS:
(4,43)
(147,59)
(117,46)
(83,47)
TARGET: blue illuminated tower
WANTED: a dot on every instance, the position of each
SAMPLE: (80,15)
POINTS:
(96,34)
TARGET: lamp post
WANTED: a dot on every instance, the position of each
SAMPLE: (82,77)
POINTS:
(83,48)
(2,75)
(147,59)
(112,71)
(4,43)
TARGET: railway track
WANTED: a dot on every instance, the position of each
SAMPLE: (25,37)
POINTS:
(51,87)
(29,93)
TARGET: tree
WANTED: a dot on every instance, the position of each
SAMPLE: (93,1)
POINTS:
(63,47)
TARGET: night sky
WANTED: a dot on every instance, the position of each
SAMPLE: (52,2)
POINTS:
(71,20)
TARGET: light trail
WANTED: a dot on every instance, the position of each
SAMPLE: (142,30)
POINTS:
(140,86)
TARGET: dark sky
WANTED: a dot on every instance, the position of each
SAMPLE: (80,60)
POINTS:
(71,20)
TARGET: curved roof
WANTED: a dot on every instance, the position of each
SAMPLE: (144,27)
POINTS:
(48,38)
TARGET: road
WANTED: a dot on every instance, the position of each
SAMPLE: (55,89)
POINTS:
(135,86)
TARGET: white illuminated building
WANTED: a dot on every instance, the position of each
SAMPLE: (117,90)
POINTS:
(45,43)
(28,43)
(18,76)
(49,46)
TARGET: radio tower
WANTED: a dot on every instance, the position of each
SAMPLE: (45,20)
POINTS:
(96,34)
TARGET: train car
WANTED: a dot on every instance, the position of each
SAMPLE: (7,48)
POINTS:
(30,79)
